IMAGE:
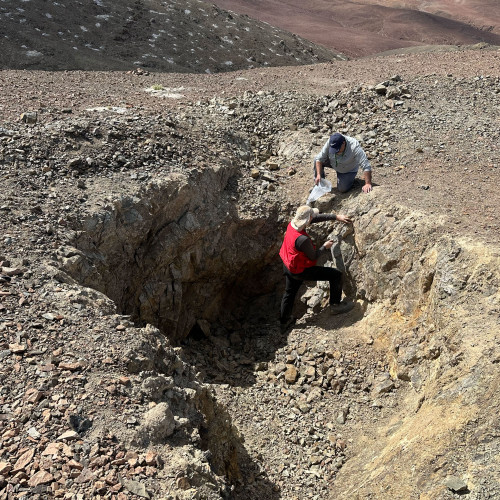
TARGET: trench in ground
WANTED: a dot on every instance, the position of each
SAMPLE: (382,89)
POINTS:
(209,278)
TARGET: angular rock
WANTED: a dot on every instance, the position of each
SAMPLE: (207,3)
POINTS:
(5,468)
(136,488)
(456,484)
(158,424)
(68,435)
(291,374)
(52,449)
(17,348)
(85,476)
(30,117)
(40,477)
(383,387)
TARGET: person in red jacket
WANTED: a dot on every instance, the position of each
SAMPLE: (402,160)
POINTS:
(299,256)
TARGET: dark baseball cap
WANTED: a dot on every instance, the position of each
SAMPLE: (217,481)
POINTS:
(336,141)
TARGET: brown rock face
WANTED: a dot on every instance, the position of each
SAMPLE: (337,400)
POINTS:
(40,477)
(175,257)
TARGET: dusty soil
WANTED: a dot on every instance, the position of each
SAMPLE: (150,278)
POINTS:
(451,146)
(372,26)
(100,137)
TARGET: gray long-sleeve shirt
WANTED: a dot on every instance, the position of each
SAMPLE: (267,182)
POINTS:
(351,160)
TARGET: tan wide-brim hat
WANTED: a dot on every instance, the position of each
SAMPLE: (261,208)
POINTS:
(301,219)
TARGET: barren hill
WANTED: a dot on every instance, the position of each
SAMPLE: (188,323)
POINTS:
(372,26)
(175,36)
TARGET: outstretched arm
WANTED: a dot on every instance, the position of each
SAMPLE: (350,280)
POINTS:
(328,217)
(319,162)
(319,172)
(344,219)
(368,181)
(304,244)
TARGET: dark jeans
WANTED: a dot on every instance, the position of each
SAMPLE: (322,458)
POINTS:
(344,181)
(315,273)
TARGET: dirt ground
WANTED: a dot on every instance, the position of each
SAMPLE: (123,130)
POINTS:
(460,166)
(365,28)
(102,136)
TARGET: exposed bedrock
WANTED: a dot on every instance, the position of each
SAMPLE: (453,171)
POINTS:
(178,254)
(181,254)
(433,306)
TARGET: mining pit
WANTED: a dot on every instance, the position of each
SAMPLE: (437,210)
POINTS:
(141,354)
(347,403)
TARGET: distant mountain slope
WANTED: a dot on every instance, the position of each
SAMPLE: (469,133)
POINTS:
(482,14)
(371,26)
(175,35)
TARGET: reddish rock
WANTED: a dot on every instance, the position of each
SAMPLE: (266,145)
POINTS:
(73,464)
(67,451)
(124,380)
(17,348)
(34,396)
(119,461)
(5,468)
(150,458)
(98,462)
(41,477)
(24,460)
(68,435)
(51,449)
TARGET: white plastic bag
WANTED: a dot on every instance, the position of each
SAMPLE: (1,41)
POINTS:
(319,190)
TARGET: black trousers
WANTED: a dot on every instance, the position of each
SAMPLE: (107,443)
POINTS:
(315,273)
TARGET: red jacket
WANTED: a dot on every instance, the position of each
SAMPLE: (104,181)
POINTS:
(295,260)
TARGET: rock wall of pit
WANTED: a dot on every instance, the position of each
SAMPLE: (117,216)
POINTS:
(177,254)
(433,305)
(181,253)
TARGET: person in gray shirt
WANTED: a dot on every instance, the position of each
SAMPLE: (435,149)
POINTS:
(345,156)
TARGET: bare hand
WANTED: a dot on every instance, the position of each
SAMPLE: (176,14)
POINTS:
(317,179)
(367,188)
(328,244)
(344,219)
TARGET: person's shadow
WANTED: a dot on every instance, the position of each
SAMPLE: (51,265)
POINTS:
(327,321)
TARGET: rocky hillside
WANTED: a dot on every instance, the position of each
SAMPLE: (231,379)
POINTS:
(141,218)
(174,36)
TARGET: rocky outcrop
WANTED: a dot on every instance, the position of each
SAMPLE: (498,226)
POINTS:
(437,310)
(175,254)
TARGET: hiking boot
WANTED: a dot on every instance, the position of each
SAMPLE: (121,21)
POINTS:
(341,307)
(288,323)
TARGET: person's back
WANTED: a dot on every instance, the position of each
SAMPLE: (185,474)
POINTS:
(299,256)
